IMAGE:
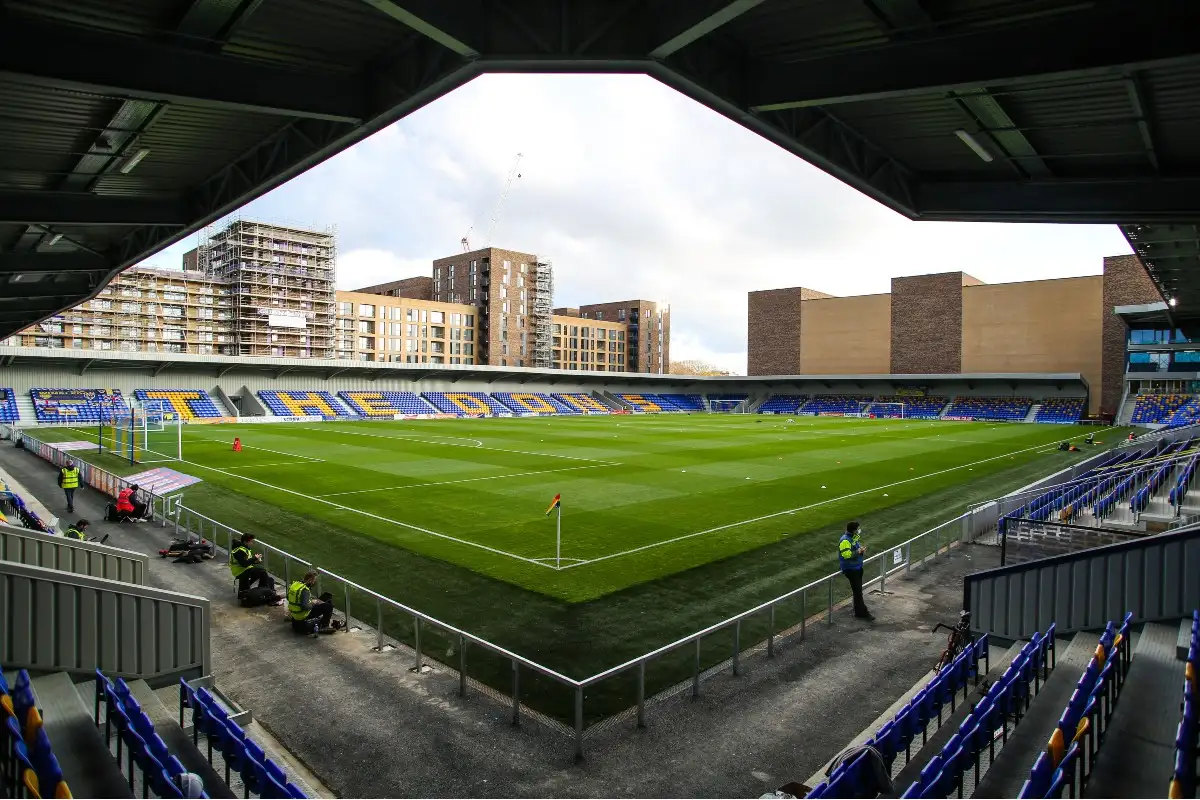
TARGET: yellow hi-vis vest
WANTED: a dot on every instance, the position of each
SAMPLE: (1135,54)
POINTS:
(236,568)
(293,597)
(70,478)
(74,533)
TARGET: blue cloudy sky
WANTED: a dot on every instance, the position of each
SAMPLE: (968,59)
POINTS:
(634,190)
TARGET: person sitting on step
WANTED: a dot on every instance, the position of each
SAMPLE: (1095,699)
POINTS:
(310,616)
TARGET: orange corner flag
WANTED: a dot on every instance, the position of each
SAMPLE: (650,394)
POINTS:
(555,503)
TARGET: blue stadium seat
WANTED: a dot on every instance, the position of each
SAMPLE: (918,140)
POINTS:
(1002,409)
(1157,409)
(8,406)
(922,407)
(585,403)
(1060,410)
(467,404)
(78,406)
(783,404)
(835,404)
(187,403)
(386,405)
(538,403)
(303,403)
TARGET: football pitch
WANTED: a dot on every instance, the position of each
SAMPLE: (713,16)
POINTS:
(643,497)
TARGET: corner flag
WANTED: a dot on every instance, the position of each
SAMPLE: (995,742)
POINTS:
(555,503)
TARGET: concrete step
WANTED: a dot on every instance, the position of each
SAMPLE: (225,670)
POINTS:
(180,745)
(87,765)
(1183,639)
(1142,729)
(1008,772)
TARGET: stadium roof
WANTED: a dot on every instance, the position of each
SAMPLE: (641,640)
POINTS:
(81,362)
(128,124)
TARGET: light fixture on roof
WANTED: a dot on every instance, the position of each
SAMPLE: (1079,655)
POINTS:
(973,143)
(55,239)
(134,160)
(1171,302)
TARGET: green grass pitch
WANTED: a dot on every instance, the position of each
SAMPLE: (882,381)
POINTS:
(671,523)
(643,496)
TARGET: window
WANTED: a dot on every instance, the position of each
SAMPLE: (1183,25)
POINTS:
(411,331)
(366,310)
(411,315)
(437,332)
(366,326)
(366,343)
(437,316)
(470,321)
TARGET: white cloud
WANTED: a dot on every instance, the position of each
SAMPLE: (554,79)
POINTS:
(636,191)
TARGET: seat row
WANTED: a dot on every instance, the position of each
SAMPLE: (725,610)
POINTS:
(1006,700)
(29,766)
(1157,409)
(853,777)
(1183,776)
(1066,762)
(76,405)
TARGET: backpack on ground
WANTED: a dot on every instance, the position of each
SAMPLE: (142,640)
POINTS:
(259,596)
(110,513)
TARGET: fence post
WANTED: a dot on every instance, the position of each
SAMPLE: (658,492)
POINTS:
(882,573)
(462,666)
(379,625)
(578,723)
(771,632)
(829,582)
(696,672)
(346,587)
(417,642)
(516,693)
(737,644)
(908,558)
(803,612)
(937,542)
(641,694)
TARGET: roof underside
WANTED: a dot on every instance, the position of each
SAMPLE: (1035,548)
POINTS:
(126,125)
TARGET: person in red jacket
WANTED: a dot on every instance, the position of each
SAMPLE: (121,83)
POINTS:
(128,506)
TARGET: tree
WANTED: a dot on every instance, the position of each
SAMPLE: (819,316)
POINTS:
(694,366)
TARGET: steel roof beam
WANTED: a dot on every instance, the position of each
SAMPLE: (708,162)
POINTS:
(1099,201)
(435,20)
(1066,44)
(85,209)
(1142,112)
(134,68)
(705,17)
(51,263)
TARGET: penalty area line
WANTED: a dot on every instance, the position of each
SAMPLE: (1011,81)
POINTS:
(788,511)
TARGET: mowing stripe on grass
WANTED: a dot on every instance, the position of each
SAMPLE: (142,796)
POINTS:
(466,480)
(268,450)
(272,464)
(800,508)
(600,461)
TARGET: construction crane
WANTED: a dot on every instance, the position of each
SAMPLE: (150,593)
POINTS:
(496,209)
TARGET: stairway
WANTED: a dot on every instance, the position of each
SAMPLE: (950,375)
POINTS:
(25,408)
(1033,412)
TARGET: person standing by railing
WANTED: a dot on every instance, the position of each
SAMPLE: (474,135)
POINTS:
(850,558)
(68,479)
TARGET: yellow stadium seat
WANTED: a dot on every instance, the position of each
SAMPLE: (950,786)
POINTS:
(1175,790)
(33,724)
(62,791)
(29,778)
(1055,748)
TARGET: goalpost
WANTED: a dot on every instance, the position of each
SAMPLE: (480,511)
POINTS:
(141,435)
(887,410)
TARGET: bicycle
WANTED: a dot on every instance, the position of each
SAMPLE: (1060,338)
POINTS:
(960,637)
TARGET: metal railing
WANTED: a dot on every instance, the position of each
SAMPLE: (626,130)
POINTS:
(787,615)
(24,546)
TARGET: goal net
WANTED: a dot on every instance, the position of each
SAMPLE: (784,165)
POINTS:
(143,435)
(874,410)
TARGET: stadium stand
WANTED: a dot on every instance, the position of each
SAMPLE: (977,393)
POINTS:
(466,404)
(533,403)
(926,407)
(684,402)
(156,752)
(1157,409)
(187,403)
(1183,776)
(302,403)
(1003,409)
(585,403)
(641,403)
(76,405)
(1186,414)
(8,406)
(724,402)
(835,404)
(783,404)
(28,754)
(1060,410)
(385,404)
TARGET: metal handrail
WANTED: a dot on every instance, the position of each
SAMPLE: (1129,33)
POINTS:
(176,511)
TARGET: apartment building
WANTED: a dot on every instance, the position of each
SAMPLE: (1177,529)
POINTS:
(648,342)
(376,327)
(590,345)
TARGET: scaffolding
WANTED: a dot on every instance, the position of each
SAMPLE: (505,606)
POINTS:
(543,300)
(281,282)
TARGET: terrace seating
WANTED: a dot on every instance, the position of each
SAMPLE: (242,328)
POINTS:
(1186,414)
(385,405)
(783,404)
(835,404)
(1157,409)
(1060,410)
(155,754)
(640,403)
(533,403)
(466,404)
(8,406)
(1070,754)
(925,407)
(1183,776)
(585,403)
(1002,409)
(302,403)
(684,402)
(26,752)
(1182,484)
(80,406)
(186,403)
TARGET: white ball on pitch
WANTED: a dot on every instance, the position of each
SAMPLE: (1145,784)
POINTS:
(822,487)
(885,494)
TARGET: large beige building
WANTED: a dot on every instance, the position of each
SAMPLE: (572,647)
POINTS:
(952,323)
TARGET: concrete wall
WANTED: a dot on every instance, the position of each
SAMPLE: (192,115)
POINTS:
(846,335)
(1035,326)
(927,323)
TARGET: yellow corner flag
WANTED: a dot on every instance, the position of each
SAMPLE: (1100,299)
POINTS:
(554,504)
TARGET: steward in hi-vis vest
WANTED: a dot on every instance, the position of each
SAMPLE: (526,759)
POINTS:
(850,558)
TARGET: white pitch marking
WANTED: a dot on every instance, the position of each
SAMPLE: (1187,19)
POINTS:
(802,508)
(272,464)
(465,480)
